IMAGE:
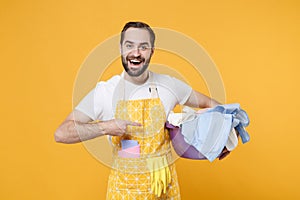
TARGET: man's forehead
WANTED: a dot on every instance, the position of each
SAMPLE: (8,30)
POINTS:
(137,35)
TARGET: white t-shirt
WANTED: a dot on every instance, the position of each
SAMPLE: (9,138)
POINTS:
(100,102)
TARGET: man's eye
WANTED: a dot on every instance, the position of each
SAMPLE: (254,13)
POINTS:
(143,48)
(129,46)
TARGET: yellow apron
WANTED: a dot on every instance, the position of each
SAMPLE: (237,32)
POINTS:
(130,178)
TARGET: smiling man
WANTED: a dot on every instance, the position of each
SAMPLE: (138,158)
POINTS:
(142,167)
(137,47)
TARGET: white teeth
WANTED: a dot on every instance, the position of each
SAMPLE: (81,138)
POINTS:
(135,61)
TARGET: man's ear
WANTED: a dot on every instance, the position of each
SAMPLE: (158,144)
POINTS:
(152,50)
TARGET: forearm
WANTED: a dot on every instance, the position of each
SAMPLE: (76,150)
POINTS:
(73,132)
(212,103)
(198,100)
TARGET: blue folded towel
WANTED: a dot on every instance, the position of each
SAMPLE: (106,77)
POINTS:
(209,131)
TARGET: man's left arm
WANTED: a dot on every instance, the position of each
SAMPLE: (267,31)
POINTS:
(199,100)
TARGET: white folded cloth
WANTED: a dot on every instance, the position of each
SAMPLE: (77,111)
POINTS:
(187,115)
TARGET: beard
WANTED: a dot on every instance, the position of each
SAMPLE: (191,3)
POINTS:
(135,72)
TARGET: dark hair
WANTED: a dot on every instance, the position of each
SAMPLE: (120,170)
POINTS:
(138,25)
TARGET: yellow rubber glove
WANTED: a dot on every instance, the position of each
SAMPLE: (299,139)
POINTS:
(166,174)
(160,174)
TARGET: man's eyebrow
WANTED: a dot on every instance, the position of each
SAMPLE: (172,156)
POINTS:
(143,43)
(127,41)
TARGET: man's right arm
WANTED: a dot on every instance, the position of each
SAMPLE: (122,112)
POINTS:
(77,127)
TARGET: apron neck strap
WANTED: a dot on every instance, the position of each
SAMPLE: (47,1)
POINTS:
(152,87)
(153,90)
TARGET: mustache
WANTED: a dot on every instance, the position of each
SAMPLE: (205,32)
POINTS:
(131,57)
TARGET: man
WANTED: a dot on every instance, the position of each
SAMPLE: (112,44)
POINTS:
(134,106)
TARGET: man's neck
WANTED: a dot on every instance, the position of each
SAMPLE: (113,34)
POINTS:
(138,80)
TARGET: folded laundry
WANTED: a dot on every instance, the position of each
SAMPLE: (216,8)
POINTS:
(232,141)
(177,119)
(240,118)
(212,130)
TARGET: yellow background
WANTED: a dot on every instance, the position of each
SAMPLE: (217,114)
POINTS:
(255,45)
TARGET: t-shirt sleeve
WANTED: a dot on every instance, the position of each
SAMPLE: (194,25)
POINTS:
(86,105)
(181,90)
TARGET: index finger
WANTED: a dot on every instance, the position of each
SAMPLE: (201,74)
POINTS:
(131,123)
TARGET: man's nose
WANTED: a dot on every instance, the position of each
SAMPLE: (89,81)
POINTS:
(136,51)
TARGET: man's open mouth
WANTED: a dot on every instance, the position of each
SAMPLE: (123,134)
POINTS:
(135,61)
